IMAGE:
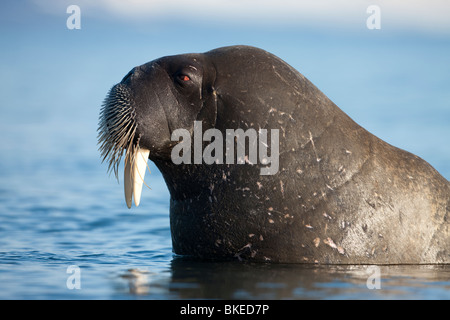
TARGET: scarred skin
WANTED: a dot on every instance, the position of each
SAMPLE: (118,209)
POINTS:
(340,196)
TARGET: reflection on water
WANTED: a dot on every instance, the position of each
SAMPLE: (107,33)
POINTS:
(138,281)
(190,279)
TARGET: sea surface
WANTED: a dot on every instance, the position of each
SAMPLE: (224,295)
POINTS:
(65,230)
(66,233)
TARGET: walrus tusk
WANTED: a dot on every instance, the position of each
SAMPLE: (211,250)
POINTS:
(140,165)
(128,182)
(134,176)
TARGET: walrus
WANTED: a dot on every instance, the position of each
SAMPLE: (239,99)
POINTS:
(337,195)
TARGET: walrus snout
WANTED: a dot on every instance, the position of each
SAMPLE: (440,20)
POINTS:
(169,93)
(137,117)
(118,133)
(133,115)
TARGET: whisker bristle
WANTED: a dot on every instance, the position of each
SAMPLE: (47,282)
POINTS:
(117,128)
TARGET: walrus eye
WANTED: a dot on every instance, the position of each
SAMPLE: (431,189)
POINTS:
(184,77)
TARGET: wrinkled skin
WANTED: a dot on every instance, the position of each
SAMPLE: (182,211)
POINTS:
(341,195)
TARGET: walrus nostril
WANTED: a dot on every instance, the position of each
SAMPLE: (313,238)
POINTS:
(134,73)
(127,76)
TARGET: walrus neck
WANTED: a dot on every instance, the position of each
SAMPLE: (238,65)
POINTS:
(186,181)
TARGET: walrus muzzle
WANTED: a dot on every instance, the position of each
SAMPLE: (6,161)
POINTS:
(140,113)
(117,133)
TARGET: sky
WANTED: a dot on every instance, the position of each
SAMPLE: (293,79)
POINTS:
(417,15)
(393,81)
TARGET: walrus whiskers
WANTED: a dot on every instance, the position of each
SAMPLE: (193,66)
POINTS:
(117,127)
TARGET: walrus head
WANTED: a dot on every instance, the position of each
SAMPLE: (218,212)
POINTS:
(229,88)
(140,113)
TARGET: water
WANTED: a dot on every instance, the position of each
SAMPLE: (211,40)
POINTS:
(58,207)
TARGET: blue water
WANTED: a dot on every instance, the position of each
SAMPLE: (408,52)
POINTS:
(59,208)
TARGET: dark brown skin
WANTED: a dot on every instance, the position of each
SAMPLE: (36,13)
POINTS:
(341,195)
